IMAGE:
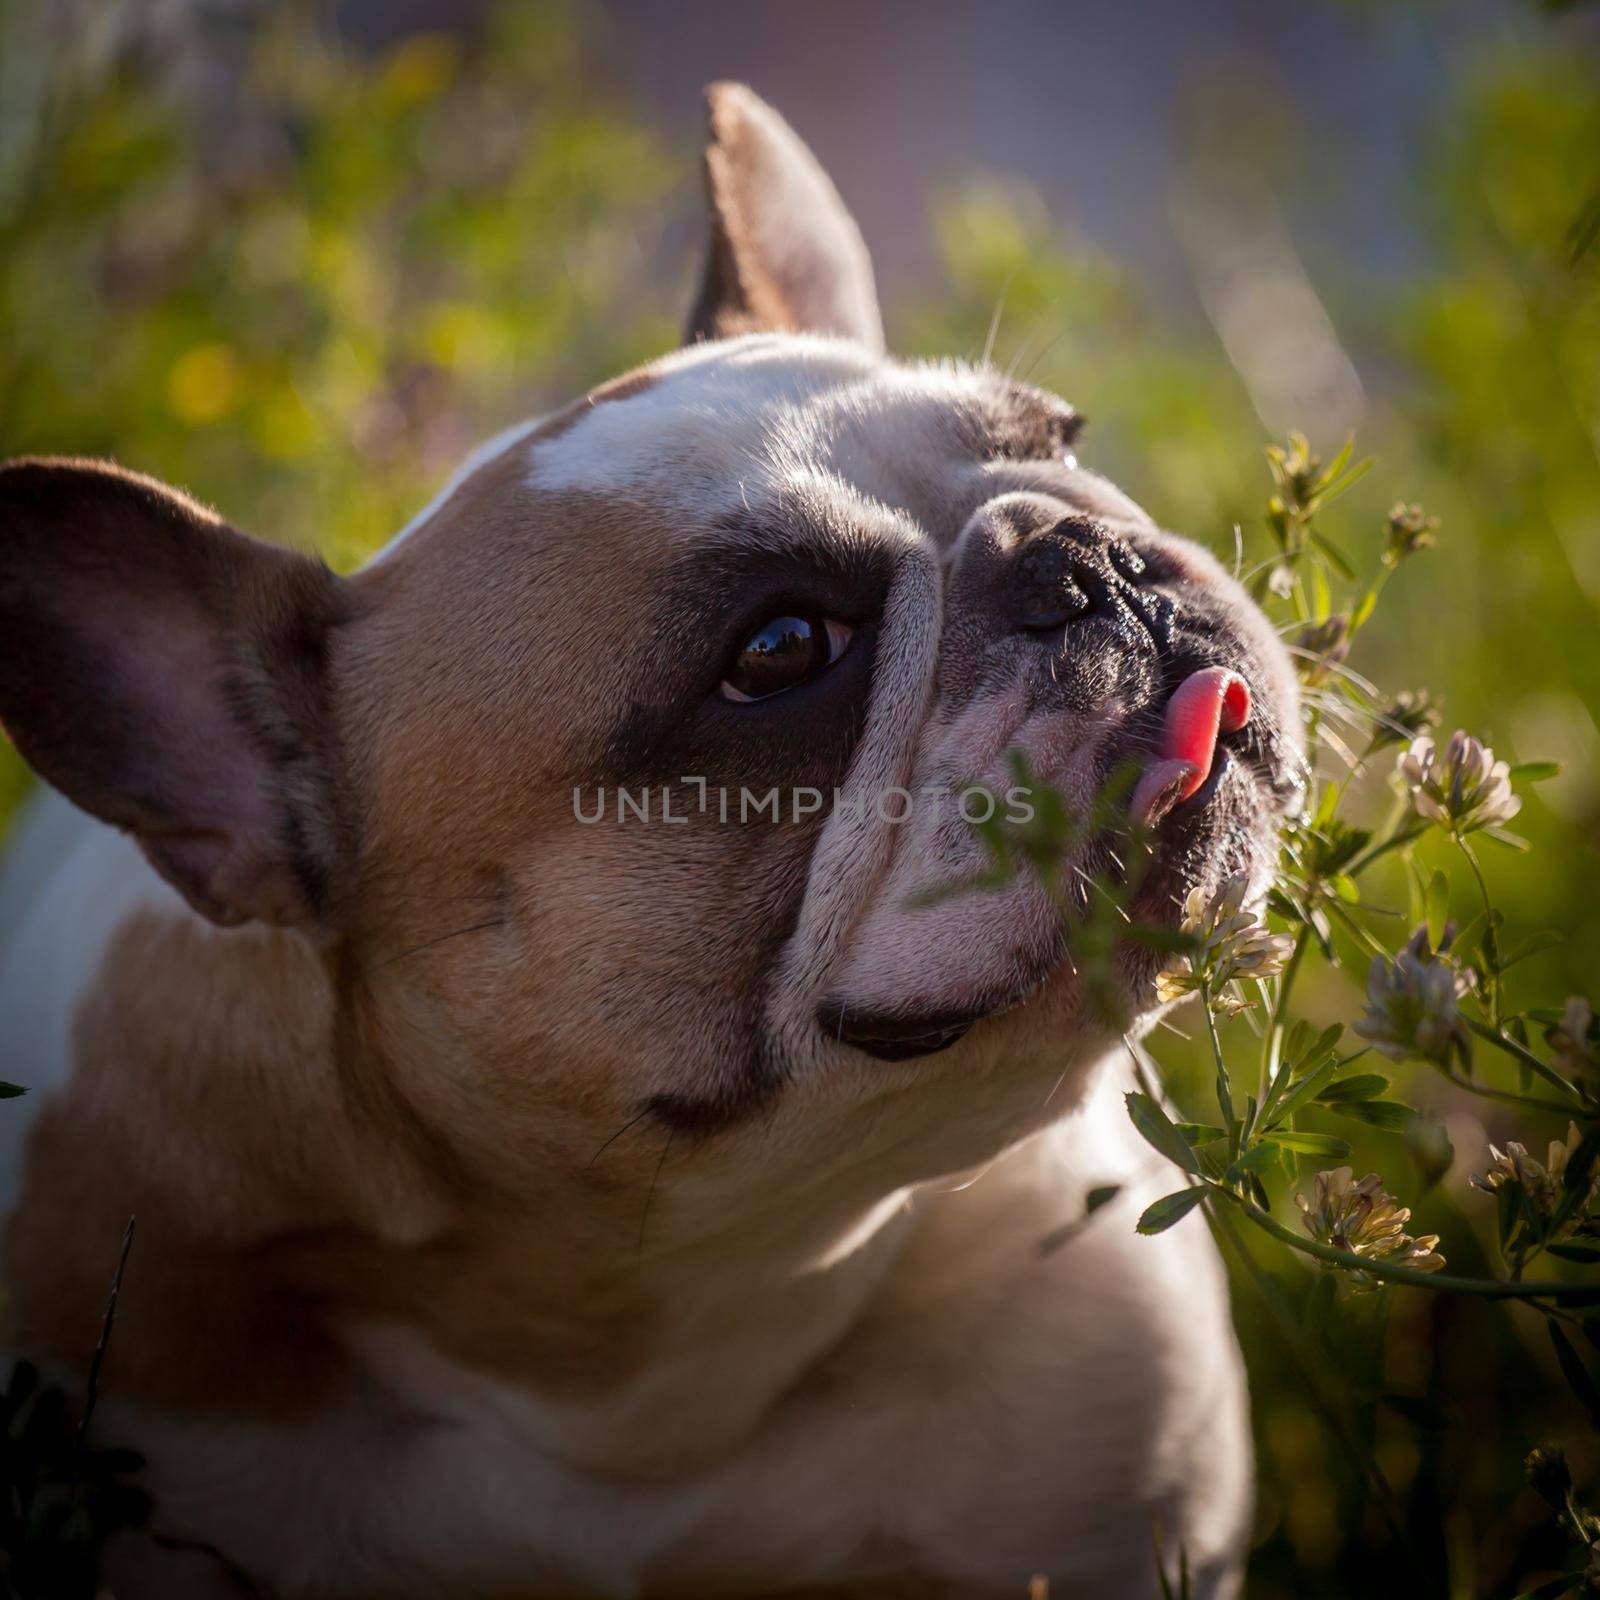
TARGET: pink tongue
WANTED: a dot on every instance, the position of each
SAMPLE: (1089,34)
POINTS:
(1204,703)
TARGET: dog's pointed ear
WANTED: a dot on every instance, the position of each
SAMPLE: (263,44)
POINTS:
(169,675)
(784,254)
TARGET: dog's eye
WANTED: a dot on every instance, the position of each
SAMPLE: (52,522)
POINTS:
(782,654)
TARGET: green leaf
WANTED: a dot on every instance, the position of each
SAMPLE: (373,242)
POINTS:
(1298,1040)
(1580,1297)
(1576,1178)
(1171,1208)
(1389,1115)
(1361,1086)
(1535,771)
(1103,1195)
(1512,841)
(1254,1161)
(1201,1133)
(1576,1374)
(1586,1254)
(1535,944)
(1466,939)
(1307,1089)
(1346,888)
(1336,557)
(1318,1051)
(1312,1144)
(1158,1130)
(10,1091)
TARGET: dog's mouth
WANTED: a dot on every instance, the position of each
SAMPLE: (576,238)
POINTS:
(1188,763)
(1205,726)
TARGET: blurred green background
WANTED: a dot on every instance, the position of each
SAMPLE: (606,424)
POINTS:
(299,260)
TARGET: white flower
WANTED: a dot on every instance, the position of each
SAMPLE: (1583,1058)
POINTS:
(1233,943)
(1365,1219)
(1544,1184)
(1461,788)
(1413,1006)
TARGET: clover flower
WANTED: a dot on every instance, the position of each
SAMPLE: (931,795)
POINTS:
(1232,942)
(1461,788)
(1321,647)
(1548,1474)
(1410,714)
(1410,529)
(1573,1037)
(1413,1006)
(1544,1184)
(1366,1220)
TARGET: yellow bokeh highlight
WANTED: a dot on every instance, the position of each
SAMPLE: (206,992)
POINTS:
(204,384)
(419,68)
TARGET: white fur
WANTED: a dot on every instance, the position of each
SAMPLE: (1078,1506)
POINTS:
(996,1398)
(746,420)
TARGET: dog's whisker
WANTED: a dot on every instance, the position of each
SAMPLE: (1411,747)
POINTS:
(612,1138)
(650,1193)
(1349,674)
(1094,883)
(1044,351)
(1025,347)
(443,938)
(994,321)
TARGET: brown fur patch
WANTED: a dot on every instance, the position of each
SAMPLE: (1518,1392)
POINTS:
(165,672)
(273,1205)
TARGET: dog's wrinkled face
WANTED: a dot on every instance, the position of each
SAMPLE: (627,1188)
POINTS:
(931,582)
(618,786)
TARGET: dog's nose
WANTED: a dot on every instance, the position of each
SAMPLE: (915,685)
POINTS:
(1068,571)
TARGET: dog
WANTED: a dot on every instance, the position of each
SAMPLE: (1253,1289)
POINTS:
(569,1158)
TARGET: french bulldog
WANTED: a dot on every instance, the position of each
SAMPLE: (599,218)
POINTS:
(578,1147)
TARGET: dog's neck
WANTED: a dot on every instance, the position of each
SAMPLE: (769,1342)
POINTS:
(648,1327)
(633,1311)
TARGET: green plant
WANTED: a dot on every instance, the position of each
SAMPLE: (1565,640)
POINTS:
(1444,998)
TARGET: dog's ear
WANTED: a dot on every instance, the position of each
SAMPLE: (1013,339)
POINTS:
(168,675)
(784,254)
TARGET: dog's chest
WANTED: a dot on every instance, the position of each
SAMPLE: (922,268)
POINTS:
(1054,1403)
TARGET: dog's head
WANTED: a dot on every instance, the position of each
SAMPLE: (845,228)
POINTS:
(621,785)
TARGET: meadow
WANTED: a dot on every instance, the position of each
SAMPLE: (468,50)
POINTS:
(302,284)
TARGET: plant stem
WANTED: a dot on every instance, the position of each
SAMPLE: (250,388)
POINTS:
(1396,840)
(1272,1043)
(1521,1053)
(1532,1102)
(1443,1283)
(1224,1085)
(1356,931)
(1491,936)
(1354,1447)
